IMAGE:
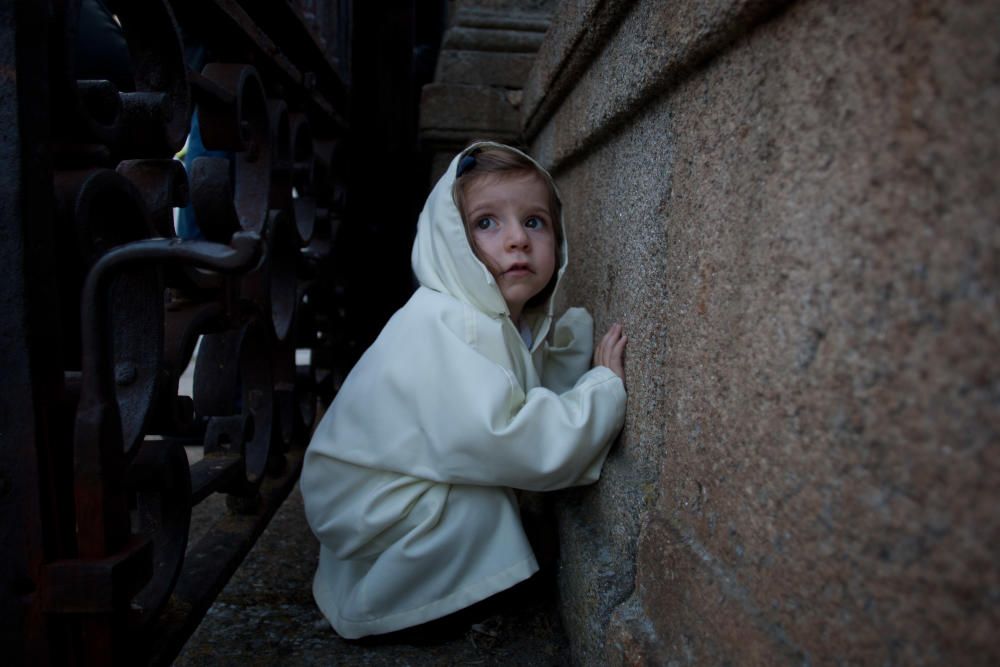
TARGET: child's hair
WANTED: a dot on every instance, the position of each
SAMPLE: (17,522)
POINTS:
(498,161)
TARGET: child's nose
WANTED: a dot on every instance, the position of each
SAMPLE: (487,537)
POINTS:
(517,237)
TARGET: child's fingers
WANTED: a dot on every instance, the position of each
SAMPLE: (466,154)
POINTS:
(613,344)
(610,350)
(619,347)
(607,344)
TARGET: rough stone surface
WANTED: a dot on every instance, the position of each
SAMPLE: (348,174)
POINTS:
(648,47)
(800,226)
(618,267)
(579,31)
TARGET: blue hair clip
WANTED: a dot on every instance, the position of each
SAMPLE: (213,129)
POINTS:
(465,164)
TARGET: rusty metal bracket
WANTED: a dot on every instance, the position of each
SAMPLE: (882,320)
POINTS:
(230,378)
(243,128)
(99,449)
(163,186)
(98,585)
(159,480)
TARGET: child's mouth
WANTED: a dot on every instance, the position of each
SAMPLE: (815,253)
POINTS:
(518,270)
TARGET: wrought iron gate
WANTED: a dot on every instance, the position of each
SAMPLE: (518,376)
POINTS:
(103,302)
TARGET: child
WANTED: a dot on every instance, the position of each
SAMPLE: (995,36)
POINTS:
(463,397)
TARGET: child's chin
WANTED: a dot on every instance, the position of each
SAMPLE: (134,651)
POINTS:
(519,296)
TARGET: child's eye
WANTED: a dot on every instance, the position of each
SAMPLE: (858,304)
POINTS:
(484,223)
(534,222)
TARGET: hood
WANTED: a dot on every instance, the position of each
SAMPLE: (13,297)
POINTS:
(443,260)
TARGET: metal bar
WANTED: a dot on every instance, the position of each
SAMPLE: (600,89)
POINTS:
(299,43)
(228,15)
(211,562)
(32,502)
(211,473)
(100,585)
(20,506)
(242,254)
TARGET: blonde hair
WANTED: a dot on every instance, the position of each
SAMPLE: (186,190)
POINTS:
(496,161)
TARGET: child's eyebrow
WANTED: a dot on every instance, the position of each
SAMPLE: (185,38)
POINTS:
(479,211)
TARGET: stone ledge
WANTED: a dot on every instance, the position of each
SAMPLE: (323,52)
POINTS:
(640,50)
(488,39)
(471,18)
(470,110)
(486,68)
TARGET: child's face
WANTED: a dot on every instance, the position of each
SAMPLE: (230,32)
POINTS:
(510,225)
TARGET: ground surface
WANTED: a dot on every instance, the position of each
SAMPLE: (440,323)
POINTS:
(266,616)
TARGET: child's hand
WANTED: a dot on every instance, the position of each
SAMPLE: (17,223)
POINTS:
(610,351)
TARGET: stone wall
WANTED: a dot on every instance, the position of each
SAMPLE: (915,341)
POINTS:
(486,55)
(794,208)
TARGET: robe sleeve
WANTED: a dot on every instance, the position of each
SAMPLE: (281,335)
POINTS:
(570,353)
(433,407)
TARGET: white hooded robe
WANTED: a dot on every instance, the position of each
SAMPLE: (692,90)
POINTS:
(407,481)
